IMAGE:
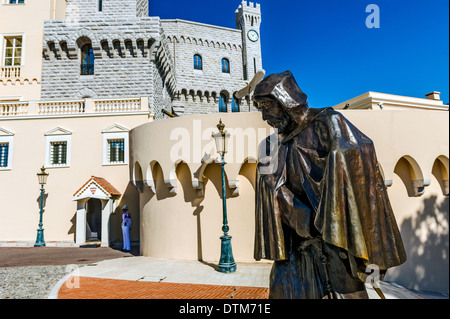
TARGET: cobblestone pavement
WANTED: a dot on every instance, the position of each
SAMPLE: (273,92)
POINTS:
(31,273)
(30,282)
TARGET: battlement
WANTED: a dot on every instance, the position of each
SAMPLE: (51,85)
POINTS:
(248,7)
(111,9)
(248,13)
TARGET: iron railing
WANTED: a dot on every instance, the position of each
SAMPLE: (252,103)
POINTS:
(87,69)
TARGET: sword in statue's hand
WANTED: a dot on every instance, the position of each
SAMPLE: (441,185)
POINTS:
(259,76)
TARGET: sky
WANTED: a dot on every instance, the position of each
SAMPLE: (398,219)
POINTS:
(330,50)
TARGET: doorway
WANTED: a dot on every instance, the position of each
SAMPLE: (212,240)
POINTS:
(94,220)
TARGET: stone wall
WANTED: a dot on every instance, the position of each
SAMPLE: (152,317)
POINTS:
(80,9)
(199,90)
(142,56)
(122,50)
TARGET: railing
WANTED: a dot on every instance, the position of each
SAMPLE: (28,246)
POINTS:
(70,107)
(10,72)
(87,69)
(61,107)
(117,105)
(13,108)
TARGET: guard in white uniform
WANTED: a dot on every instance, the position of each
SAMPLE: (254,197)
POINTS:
(126,226)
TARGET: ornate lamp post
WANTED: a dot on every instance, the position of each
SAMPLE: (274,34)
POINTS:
(42,177)
(226,264)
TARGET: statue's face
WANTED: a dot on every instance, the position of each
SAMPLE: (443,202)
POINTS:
(275,115)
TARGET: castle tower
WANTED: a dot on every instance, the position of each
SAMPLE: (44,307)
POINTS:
(83,9)
(102,49)
(248,19)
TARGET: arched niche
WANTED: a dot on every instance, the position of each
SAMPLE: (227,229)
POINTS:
(440,171)
(411,174)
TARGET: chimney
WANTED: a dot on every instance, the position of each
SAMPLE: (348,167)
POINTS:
(434,96)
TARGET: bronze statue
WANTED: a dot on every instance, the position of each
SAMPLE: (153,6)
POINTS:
(322,213)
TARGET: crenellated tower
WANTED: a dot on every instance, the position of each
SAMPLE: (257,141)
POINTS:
(248,19)
(85,9)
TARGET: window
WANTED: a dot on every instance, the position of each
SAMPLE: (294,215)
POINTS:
(6,147)
(116,151)
(16,1)
(4,155)
(58,153)
(234,105)
(225,66)
(13,51)
(222,103)
(115,145)
(87,59)
(58,144)
(100,5)
(198,62)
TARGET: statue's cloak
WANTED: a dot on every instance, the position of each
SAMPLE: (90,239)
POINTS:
(324,175)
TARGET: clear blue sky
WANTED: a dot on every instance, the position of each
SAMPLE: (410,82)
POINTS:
(331,52)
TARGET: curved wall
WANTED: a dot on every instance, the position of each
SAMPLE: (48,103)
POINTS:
(180,186)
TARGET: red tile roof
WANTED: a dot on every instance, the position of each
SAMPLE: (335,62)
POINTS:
(104,184)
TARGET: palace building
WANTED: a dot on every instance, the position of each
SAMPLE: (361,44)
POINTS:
(118,106)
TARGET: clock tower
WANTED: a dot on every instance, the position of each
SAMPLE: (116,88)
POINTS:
(248,19)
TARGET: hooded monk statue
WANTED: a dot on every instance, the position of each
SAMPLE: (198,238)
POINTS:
(322,209)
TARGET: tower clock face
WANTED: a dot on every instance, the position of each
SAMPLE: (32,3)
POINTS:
(253,35)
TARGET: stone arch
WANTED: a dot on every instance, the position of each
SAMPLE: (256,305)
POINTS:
(140,46)
(184,93)
(138,180)
(86,93)
(160,187)
(411,174)
(440,170)
(106,50)
(248,170)
(64,48)
(192,95)
(388,183)
(117,47)
(51,46)
(82,40)
(149,180)
(130,47)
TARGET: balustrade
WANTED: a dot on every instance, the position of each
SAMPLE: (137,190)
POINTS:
(88,106)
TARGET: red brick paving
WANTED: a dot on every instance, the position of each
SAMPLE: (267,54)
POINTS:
(97,288)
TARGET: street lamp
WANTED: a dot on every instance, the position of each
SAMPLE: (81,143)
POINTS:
(42,178)
(226,264)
